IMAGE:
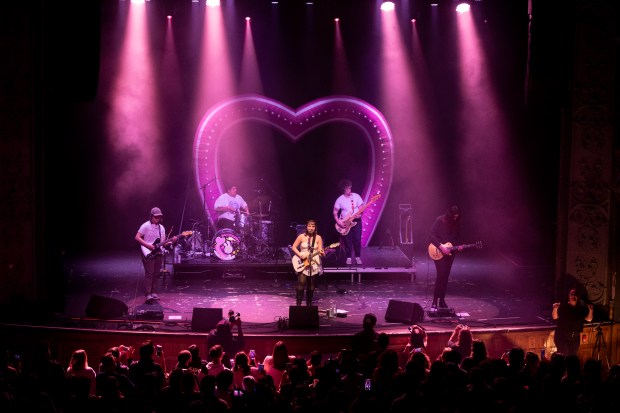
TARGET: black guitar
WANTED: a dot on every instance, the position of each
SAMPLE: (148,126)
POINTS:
(159,245)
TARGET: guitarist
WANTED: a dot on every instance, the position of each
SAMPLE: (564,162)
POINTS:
(308,246)
(345,212)
(446,228)
(147,234)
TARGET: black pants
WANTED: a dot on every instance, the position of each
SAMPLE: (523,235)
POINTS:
(152,268)
(353,240)
(567,342)
(225,223)
(307,284)
(443,267)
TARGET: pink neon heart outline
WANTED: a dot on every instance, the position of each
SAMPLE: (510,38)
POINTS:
(294,124)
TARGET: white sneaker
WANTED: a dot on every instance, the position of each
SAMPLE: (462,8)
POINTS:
(349,261)
(358,260)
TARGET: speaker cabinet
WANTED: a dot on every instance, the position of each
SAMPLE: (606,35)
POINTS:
(303,316)
(205,319)
(404,312)
(105,307)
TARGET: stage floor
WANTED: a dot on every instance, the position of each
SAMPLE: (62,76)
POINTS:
(486,290)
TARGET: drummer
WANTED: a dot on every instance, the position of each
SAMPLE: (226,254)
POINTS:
(232,210)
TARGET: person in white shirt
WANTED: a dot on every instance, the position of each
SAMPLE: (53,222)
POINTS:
(348,223)
(215,365)
(232,210)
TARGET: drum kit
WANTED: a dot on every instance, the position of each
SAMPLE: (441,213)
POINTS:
(251,237)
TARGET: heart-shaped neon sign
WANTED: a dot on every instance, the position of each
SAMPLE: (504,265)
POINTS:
(294,124)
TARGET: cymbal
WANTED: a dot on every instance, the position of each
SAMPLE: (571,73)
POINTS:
(263,199)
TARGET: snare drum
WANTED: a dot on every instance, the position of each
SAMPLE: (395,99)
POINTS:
(241,221)
(226,244)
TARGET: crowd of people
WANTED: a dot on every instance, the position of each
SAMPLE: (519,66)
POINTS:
(369,376)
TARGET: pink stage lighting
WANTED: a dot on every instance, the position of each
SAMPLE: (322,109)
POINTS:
(387,6)
(463,8)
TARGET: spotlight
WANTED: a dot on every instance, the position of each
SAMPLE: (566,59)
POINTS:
(463,7)
(387,6)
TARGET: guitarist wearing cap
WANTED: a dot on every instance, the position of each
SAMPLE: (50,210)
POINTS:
(308,246)
(446,229)
(149,237)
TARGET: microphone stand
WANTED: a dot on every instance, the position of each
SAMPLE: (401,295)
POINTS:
(207,216)
(164,271)
(275,251)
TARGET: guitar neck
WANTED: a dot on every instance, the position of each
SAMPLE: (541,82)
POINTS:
(363,207)
(463,246)
(317,252)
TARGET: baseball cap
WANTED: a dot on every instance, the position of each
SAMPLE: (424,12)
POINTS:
(370,319)
(156,212)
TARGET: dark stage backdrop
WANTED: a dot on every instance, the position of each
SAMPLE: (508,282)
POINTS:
(295,60)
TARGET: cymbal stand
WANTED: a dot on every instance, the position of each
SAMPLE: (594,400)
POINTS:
(274,246)
(164,271)
(194,239)
(599,343)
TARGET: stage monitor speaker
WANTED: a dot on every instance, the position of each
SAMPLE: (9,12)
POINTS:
(303,316)
(105,307)
(404,312)
(205,319)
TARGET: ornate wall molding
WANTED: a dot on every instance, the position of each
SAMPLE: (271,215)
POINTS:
(591,156)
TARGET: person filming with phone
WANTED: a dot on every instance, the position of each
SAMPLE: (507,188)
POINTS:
(570,316)
(223,335)
(143,371)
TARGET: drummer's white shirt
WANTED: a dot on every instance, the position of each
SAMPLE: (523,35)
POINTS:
(225,200)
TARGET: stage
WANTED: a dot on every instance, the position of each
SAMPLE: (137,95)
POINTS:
(486,289)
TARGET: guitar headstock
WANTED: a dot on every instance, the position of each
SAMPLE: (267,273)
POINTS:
(334,245)
(374,198)
(186,233)
(478,244)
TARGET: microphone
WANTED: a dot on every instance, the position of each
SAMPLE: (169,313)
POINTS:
(269,207)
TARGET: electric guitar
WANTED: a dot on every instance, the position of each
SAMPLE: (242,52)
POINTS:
(348,221)
(436,254)
(300,264)
(150,254)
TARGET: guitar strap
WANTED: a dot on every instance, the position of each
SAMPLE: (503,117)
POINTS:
(310,250)
(353,210)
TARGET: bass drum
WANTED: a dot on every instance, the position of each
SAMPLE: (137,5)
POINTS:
(226,244)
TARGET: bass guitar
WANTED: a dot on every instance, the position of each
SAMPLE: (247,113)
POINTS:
(436,254)
(159,245)
(348,221)
(301,264)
